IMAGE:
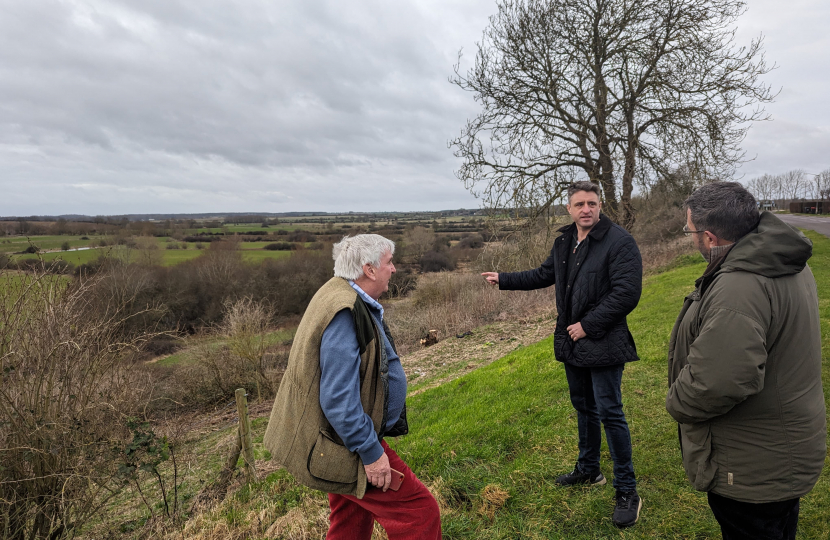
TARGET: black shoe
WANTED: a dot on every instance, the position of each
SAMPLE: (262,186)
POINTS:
(578,477)
(627,509)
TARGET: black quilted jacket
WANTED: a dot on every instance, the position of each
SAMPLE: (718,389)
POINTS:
(604,288)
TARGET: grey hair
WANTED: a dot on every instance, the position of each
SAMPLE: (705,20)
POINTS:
(726,209)
(351,253)
(583,186)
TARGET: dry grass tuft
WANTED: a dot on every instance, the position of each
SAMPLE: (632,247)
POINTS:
(659,255)
(493,497)
(309,521)
(301,523)
(437,488)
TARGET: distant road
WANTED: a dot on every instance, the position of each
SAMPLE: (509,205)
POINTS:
(818,224)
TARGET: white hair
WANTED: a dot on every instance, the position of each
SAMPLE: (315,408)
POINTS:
(351,253)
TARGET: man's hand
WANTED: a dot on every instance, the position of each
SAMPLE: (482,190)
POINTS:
(379,473)
(576,332)
(491,277)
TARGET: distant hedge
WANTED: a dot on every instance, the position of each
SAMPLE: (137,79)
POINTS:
(281,246)
(202,238)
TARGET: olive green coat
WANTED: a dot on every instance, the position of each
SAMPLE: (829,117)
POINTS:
(298,435)
(745,371)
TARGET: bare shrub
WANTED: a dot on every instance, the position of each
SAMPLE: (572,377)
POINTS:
(435,261)
(245,326)
(465,254)
(660,213)
(473,241)
(65,391)
(416,242)
(518,252)
(402,282)
(246,356)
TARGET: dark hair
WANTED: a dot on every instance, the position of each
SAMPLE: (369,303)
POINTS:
(583,186)
(726,209)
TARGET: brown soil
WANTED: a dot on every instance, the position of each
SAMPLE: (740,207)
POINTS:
(461,355)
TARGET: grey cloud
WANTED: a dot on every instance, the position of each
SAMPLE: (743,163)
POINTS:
(115,106)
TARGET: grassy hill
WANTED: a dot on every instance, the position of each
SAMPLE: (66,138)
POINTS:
(511,425)
(490,444)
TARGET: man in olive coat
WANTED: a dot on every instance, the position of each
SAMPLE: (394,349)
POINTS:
(745,367)
(343,392)
(596,267)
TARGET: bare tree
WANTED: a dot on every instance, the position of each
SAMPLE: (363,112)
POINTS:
(823,184)
(792,184)
(148,252)
(417,241)
(819,187)
(764,187)
(616,90)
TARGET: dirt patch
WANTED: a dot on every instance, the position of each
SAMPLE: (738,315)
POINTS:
(457,356)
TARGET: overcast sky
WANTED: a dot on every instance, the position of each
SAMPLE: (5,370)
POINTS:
(155,106)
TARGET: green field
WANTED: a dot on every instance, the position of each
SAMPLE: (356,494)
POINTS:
(75,257)
(19,243)
(252,252)
(171,257)
(257,256)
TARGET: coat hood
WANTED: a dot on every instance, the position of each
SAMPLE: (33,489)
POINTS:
(772,249)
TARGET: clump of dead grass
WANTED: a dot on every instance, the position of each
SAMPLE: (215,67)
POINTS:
(657,256)
(493,497)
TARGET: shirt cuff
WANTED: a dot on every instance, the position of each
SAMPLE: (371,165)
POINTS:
(372,454)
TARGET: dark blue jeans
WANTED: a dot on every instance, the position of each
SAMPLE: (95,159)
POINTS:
(596,396)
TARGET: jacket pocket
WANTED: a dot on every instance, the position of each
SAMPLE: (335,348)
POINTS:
(332,461)
(697,455)
(593,352)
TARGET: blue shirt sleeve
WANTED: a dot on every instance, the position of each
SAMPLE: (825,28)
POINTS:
(340,388)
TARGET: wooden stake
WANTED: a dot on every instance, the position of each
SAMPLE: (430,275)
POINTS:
(245,434)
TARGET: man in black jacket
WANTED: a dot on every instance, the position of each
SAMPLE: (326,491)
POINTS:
(598,272)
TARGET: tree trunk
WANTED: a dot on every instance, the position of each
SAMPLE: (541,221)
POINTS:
(626,212)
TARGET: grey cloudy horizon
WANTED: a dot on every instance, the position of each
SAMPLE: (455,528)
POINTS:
(127,107)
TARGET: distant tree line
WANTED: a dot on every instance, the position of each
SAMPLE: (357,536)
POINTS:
(791,185)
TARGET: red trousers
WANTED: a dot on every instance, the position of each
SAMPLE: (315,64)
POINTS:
(410,513)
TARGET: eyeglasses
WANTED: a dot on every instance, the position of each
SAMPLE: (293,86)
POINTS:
(688,232)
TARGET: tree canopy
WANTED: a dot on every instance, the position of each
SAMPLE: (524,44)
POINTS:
(620,91)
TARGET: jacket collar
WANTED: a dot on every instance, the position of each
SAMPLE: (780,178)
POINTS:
(597,233)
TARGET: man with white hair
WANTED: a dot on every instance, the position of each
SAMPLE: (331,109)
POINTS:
(344,390)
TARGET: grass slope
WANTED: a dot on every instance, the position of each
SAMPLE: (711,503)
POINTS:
(509,429)
(511,424)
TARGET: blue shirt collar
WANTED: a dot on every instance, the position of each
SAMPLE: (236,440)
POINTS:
(366,298)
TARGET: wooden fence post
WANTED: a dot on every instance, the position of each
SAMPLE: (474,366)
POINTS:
(245,434)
